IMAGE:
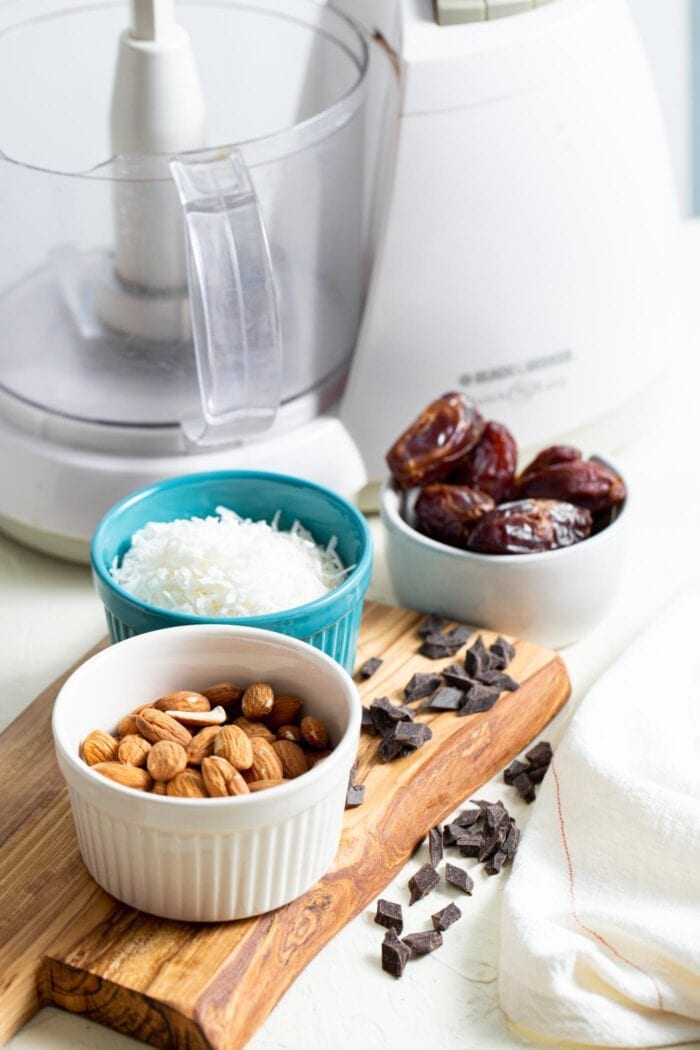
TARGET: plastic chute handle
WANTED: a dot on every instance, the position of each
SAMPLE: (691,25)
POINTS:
(235,323)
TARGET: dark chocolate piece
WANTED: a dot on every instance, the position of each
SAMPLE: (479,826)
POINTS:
(368,725)
(478,659)
(536,773)
(421,884)
(457,670)
(480,698)
(482,803)
(514,770)
(461,633)
(445,699)
(423,943)
(385,715)
(370,666)
(470,843)
(435,846)
(496,863)
(498,661)
(510,846)
(433,624)
(389,749)
(421,685)
(395,954)
(492,843)
(503,649)
(438,645)
(525,788)
(499,680)
(540,754)
(389,915)
(443,919)
(495,815)
(450,834)
(467,817)
(459,877)
(411,735)
(355,796)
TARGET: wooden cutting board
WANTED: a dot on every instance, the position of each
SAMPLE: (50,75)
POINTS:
(63,941)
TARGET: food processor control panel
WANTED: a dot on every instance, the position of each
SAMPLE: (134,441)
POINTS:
(455,12)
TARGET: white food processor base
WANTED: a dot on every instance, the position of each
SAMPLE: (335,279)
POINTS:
(53,495)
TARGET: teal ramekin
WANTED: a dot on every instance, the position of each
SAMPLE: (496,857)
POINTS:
(330,623)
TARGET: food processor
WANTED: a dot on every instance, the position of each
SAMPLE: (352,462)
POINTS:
(186,211)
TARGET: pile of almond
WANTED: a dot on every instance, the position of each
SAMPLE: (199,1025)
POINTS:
(222,741)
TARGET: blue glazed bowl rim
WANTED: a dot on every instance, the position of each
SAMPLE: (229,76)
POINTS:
(267,619)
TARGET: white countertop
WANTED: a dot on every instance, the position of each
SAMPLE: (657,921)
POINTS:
(49,617)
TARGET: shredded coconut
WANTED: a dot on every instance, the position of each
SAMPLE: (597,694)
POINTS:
(225,565)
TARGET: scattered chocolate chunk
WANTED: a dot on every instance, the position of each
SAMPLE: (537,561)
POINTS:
(355,796)
(423,943)
(433,624)
(460,634)
(499,680)
(456,676)
(459,877)
(478,659)
(412,735)
(443,919)
(467,817)
(421,685)
(389,915)
(371,666)
(389,749)
(450,834)
(480,698)
(540,754)
(420,884)
(470,843)
(457,670)
(510,846)
(514,770)
(438,645)
(492,843)
(496,863)
(525,788)
(368,725)
(503,649)
(445,699)
(536,773)
(435,845)
(482,803)
(495,815)
(385,715)
(395,954)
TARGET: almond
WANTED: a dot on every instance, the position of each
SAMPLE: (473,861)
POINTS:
(292,733)
(133,750)
(224,693)
(127,776)
(258,700)
(314,732)
(201,745)
(127,726)
(160,788)
(183,700)
(237,785)
(166,759)
(286,711)
(266,765)
(155,725)
(99,746)
(252,729)
(232,744)
(217,774)
(292,758)
(215,717)
(188,784)
(263,785)
(314,757)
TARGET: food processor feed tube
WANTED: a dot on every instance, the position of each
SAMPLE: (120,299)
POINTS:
(157,108)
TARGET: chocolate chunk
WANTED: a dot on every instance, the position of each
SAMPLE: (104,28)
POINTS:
(537,773)
(496,863)
(372,665)
(435,846)
(385,715)
(510,846)
(459,679)
(412,735)
(482,803)
(368,725)
(470,843)
(461,633)
(495,815)
(424,880)
(480,698)
(389,749)
(478,659)
(423,943)
(389,915)
(457,671)
(525,788)
(499,680)
(433,624)
(514,770)
(395,954)
(450,834)
(443,919)
(503,649)
(355,796)
(540,754)
(458,877)
(421,685)
(445,699)
(492,843)
(467,817)
(438,646)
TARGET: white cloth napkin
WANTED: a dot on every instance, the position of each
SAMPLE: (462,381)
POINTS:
(600,932)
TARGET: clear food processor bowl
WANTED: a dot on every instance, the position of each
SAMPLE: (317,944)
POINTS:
(244,307)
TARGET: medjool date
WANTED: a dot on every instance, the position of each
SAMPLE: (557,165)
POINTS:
(448,513)
(549,456)
(490,466)
(436,441)
(530,525)
(584,482)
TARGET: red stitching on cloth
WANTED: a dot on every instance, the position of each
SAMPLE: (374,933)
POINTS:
(572,896)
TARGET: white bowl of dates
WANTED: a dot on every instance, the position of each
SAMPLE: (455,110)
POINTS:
(536,554)
(207,768)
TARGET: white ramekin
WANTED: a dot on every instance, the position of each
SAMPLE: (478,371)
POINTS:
(206,859)
(553,598)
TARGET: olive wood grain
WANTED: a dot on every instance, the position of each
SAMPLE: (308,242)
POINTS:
(63,941)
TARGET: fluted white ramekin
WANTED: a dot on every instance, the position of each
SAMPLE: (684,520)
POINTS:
(206,859)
